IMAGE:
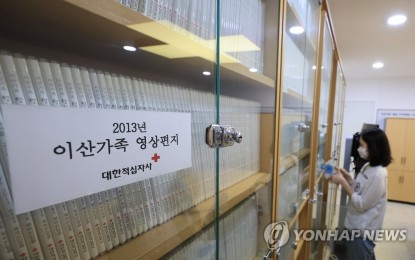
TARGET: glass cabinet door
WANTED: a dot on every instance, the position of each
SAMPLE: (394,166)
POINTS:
(326,75)
(337,118)
(217,207)
(248,57)
(299,59)
(89,69)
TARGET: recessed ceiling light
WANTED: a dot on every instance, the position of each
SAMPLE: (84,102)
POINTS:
(397,19)
(377,65)
(206,73)
(253,70)
(296,30)
(129,48)
(314,67)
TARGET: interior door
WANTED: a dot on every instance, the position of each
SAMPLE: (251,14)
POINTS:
(395,184)
(409,156)
(396,130)
(408,192)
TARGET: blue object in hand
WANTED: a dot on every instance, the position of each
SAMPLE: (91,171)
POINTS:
(328,169)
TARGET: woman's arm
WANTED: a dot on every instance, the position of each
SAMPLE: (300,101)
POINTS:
(339,178)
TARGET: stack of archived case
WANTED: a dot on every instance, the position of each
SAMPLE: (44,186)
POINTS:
(237,237)
(86,227)
(198,19)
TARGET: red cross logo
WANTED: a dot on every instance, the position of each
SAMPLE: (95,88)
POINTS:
(155,157)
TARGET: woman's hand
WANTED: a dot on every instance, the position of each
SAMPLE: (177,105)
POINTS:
(345,174)
(338,179)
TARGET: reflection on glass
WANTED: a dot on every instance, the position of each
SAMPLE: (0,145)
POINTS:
(298,87)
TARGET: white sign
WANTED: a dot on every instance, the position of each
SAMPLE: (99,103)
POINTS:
(382,114)
(59,154)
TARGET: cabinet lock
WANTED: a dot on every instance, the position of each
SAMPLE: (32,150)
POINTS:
(222,136)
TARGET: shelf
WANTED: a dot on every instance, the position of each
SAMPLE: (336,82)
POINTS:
(160,240)
(290,160)
(61,25)
(294,99)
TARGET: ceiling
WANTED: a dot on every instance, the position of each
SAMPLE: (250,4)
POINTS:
(363,37)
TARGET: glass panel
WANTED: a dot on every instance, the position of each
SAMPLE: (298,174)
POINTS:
(235,236)
(298,88)
(326,73)
(335,145)
(288,250)
(248,41)
(80,69)
(342,90)
(323,219)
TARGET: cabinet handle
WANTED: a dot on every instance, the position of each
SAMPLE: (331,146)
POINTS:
(294,245)
(404,160)
(400,179)
(401,160)
(302,127)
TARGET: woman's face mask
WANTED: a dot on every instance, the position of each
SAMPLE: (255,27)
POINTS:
(363,152)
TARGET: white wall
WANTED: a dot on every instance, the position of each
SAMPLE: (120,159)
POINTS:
(365,96)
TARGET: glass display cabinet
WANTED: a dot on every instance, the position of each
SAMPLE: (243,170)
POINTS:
(319,72)
(255,80)
(325,208)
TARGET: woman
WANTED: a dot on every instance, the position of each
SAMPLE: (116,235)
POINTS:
(367,193)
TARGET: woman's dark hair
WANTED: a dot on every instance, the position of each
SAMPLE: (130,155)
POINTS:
(378,147)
